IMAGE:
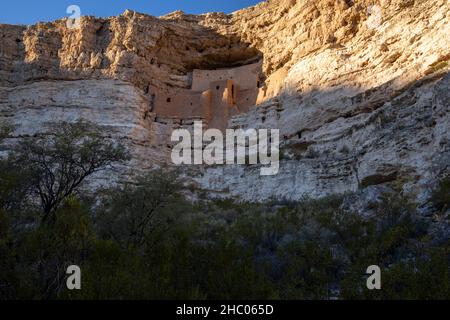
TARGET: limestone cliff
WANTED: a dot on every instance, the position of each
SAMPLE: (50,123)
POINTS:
(359,89)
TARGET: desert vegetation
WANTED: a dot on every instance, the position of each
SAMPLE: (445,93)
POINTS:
(146,240)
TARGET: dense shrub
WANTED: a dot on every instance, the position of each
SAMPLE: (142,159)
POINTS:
(146,241)
(441,195)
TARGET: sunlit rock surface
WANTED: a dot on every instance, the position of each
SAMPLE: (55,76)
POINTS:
(358,89)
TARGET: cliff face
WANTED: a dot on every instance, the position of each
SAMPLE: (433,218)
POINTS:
(357,92)
(358,89)
(108,71)
(133,47)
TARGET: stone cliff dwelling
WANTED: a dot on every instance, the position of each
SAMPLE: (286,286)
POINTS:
(213,95)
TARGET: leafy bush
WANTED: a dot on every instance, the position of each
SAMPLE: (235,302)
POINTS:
(144,240)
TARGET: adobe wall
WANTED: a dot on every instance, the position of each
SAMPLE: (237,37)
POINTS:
(177,103)
(246,77)
(222,105)
(215,96)
(245,99)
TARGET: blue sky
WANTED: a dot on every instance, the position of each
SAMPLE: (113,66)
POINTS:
(32,11)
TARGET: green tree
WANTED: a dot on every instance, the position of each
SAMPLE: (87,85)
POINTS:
(138,210)
(62,160)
